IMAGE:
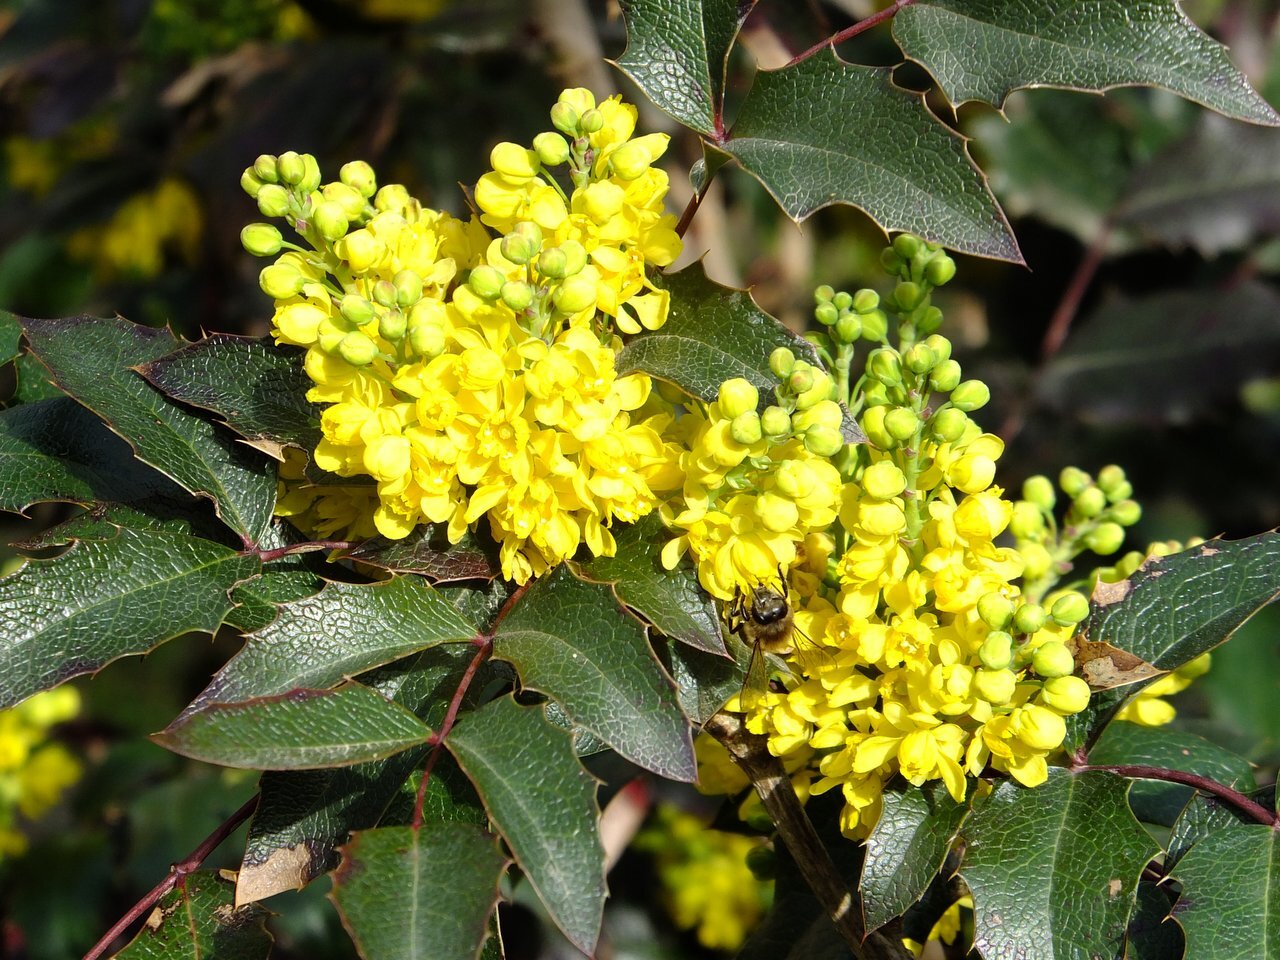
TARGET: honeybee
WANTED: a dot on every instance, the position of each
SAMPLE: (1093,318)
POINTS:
(763,619)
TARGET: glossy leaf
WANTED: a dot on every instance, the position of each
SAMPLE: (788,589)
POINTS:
(1054,869)
(102,600)
(568,639)
(57,450)
(713,333)
(10,335)
(671,600)
(906,849)
(281,582)
(428,552)
(198,920)
(1230,903)
(1205,815)
(407,894)
(677,53)
(986,49)
(543,803)
(91,360)
(1174,609)
(257,387)
(300,730)
(1153,935)
(161,514)
(705,681)
(345,629)
(824,131)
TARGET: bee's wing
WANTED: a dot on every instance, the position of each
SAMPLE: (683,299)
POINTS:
(756,681)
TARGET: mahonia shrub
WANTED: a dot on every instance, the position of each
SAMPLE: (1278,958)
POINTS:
(515,520)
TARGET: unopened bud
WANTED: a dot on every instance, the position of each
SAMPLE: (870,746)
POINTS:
(264,168)
(1053,659)
(427,340)
(1029,618)
(940,269)
(517,295)
(356,309)
(781,362)
(408,286)
(1126,513)
(948,424)
(1073,480)
(290,167)
(996,652)
(486,282)
(995,609)
(775,422)
(970,395)
(357,349)
(392,325)
(565,119)
(737,396)
(919,359)
(1105,539)
(575,294)
(261,239)
(331,220)
(745,428)
(848,328)
(902,423)
(883,480)
(273,200)
(1065,695)
(945,377)
(1069,609)
(360,177)
(1038,490)
(1089,503)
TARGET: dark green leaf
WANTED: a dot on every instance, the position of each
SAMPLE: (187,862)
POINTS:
(199,920)
(57,450)
(1152,934)
(569,640)
(671,600)
(426,551)
(305,814)
(102,600)
(450,796)
(282,581)
(1174,609)
(10,334)
(33,383)
(91,360)
(1230,903)
(1157,801)
(415,893)
(906,849)
(259,389)
(1205,815)
(986,49)
(824,131)
(1166,357)
(179,514)
(714,333)
(543,802)
(677,53)
(1054,869)
(300,730)
(343,630)
(704,681)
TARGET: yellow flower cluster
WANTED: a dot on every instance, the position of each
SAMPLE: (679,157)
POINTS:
(1150,708)
(474,377)
(706,883)
(147,229)
(34,772)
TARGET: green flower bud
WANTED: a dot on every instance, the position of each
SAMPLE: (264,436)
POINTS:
(826,314)
(902,423)
(551,148)
(310,174)
(884,365)
(391,325)
(970,395)
(781,362)
(1110,477)
(357,349)
(331,220)
(762,861)
(909,295)
(261,239)
(842,301)
(883,480)
(823,294)
(575,257)
(384,293)
(280,281)
(408,286)
(356,309)
(929,321)
(519,248)
(1036,560)
(1105,539)
(1089,502)
(874,326)
(995,609)
(264,168)
(565,119)
(826,413)
(775,422)
(553,263)
(737,396)
(948,424)
(919,359)
(1029,617)
(592,121)
(486,282)
(745,428)
(801,377)
(1126,513)
(995,686)
(823,441)
(273,200)
(1038,490)
(391,197)
(353,205)
(1121,491)
(940,346)
(940,269)
(575,294)
(290,168)
(427,340)
(945,377)
(517,295)
(250,183)
(1039,729)
(1065,695)
(866,300)
(906,245)
(1053,659)
(1073,480)
(996,652)
(359,176)
(1027,522)
(848,328)
(873,426)
(891,262)
(1069,609)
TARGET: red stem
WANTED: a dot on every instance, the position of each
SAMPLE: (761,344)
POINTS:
(865,24)
(1065,314)
(177,873)
(690,209)
(1255,811)
(312,546)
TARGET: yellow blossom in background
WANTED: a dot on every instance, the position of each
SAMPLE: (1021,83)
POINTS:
(34,771)
(143,234)
(1149,708)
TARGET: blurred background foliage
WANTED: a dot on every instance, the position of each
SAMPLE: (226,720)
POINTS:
(1144,329)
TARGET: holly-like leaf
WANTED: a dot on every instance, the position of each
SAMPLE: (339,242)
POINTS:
(671,600)
(343,630)
(569,640)
(281,582)
(57,450)
(543,802)
(427,551)
(705,681)
(1152,933)
(164,514)
(986,49)
(1054,869)
(677,53)
(198,918)
(91,359)
(1158,801)
(299,730)
(33,383)
(106,599)
(713,333)
(824,131)
(257,387)
(427,892)
(1172,610)
(10,335)
(1205,815)
(1230,903)
(906,849)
